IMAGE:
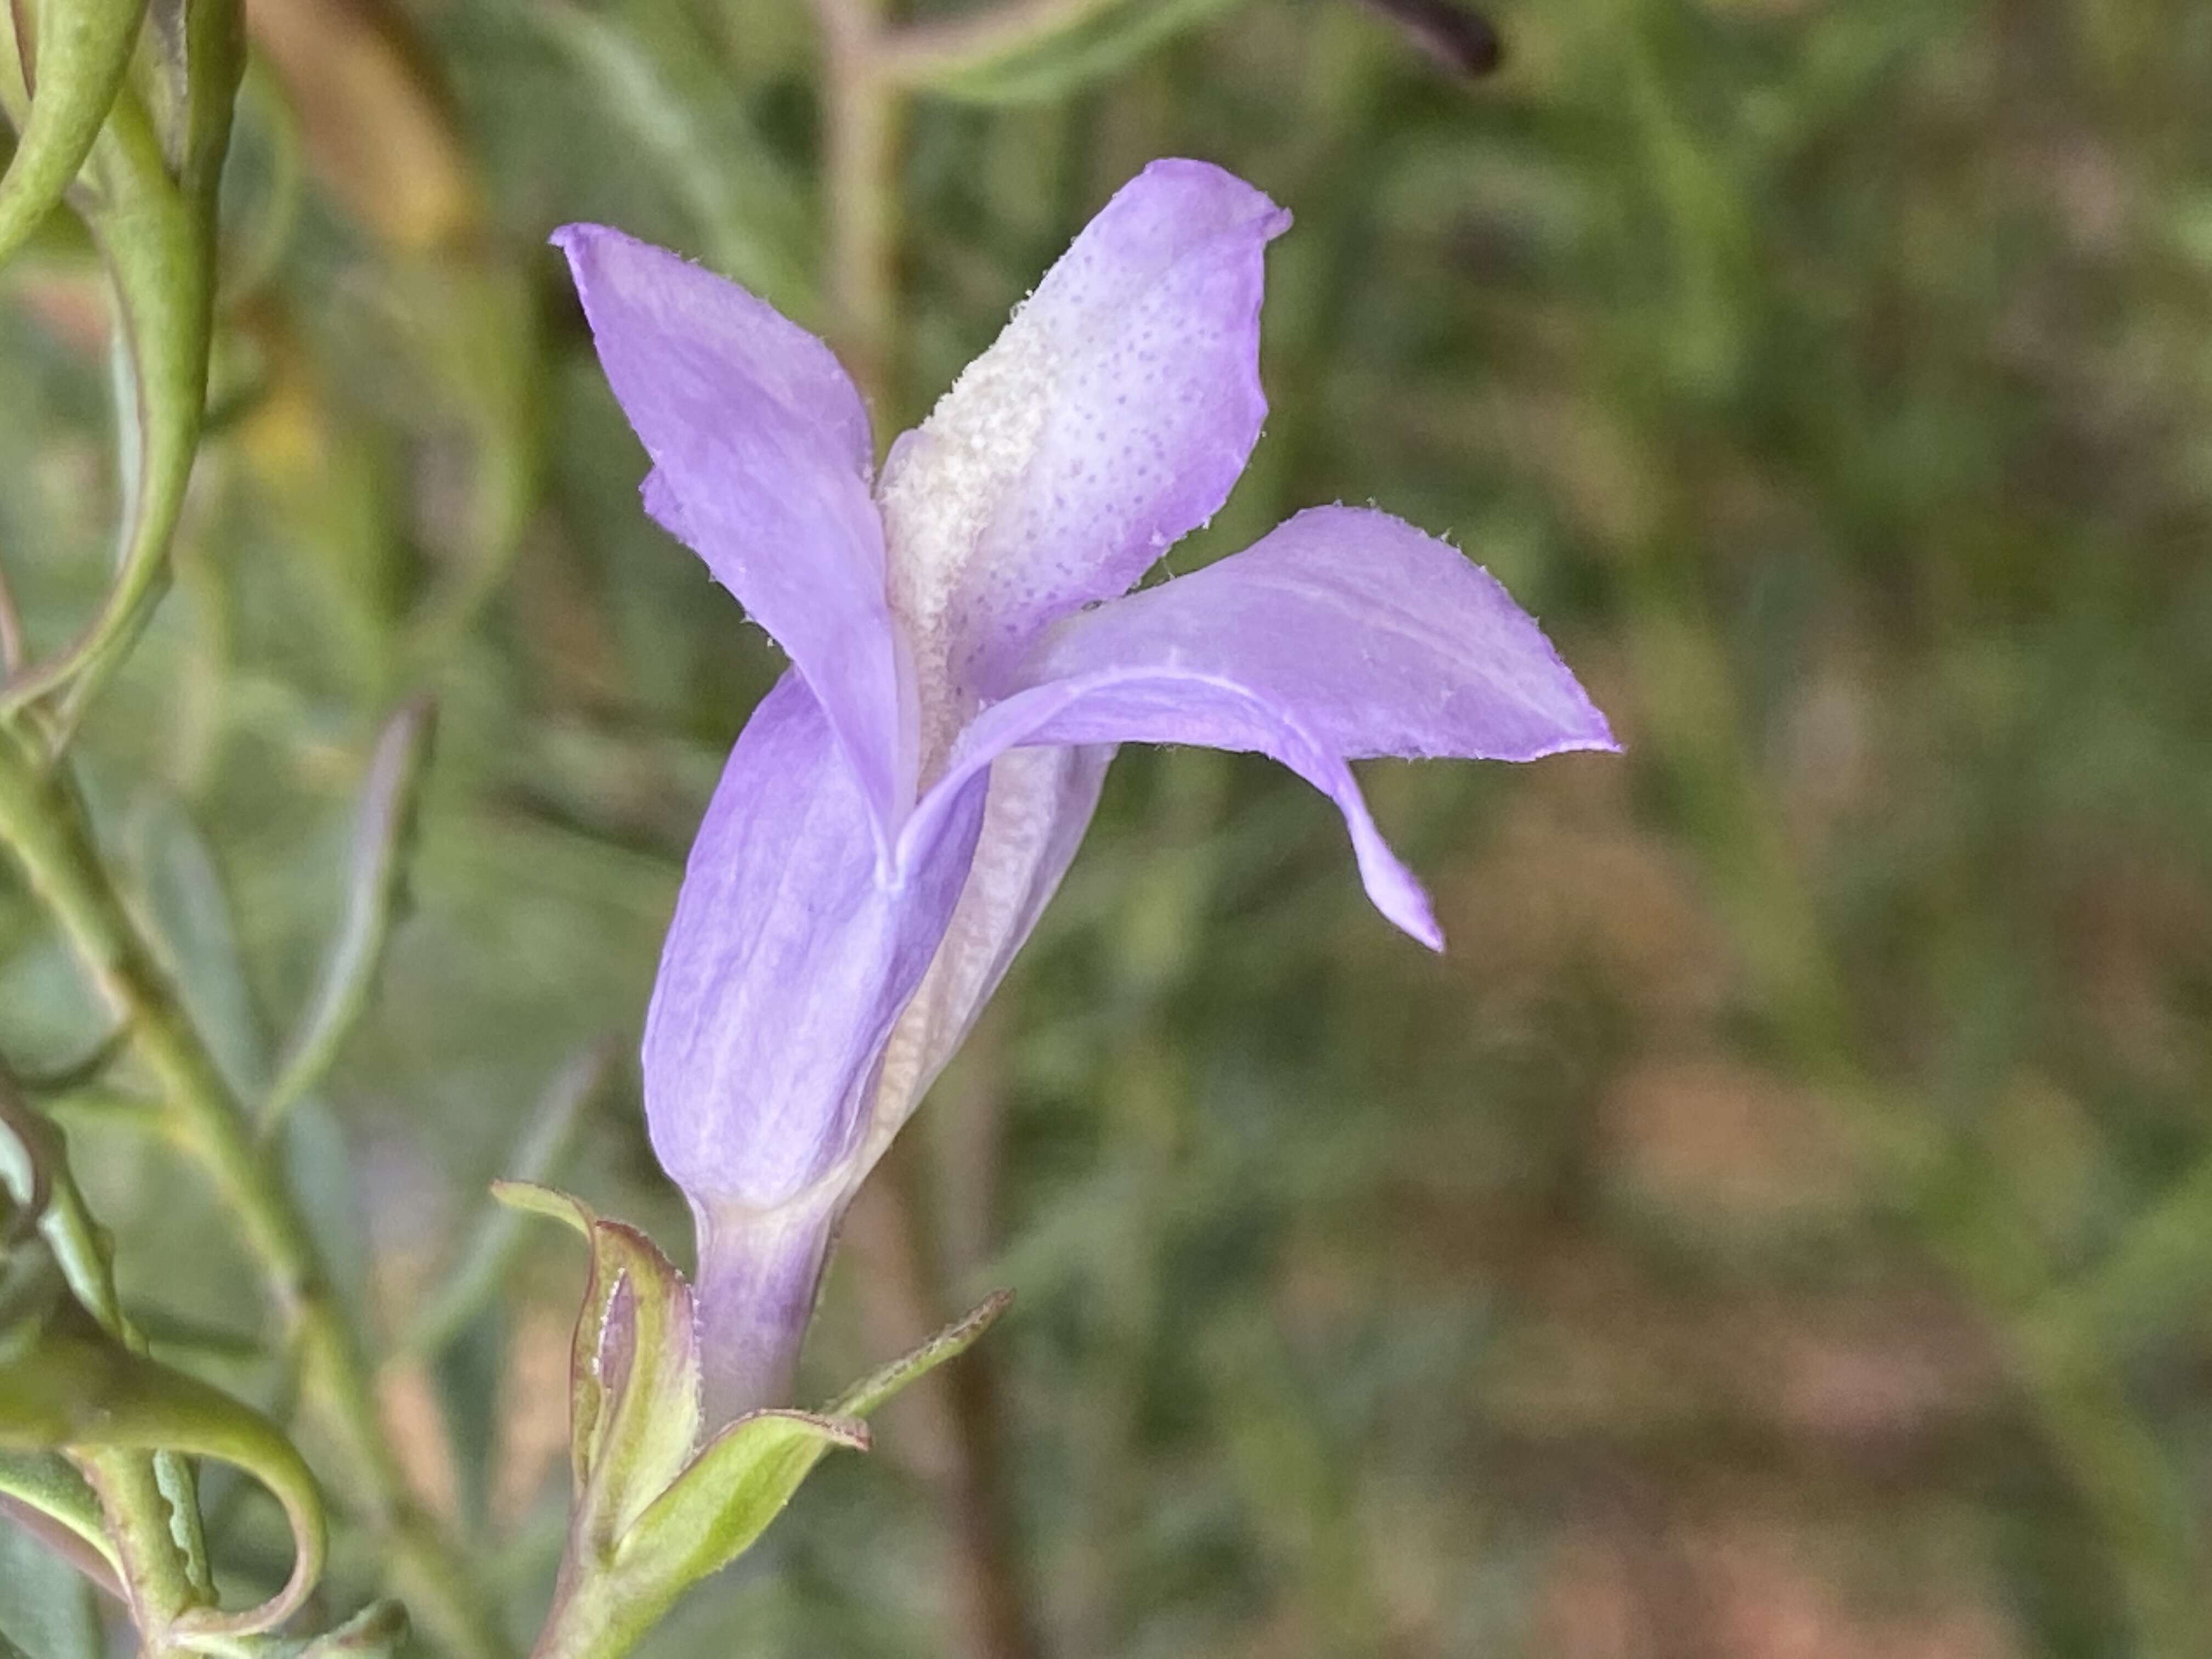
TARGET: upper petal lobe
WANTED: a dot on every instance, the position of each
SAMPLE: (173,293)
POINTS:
(760,458)
(1110,419)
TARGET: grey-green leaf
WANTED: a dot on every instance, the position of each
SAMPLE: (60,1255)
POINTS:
(376,875)
(46,1608)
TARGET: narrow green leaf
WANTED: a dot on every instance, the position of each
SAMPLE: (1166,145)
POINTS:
(188,909)
(161,267)
(376,879)
(1043,51)
(482,1261)
(79,1250)
(46,1608)
(153,217)
(747,205)
(186,906)
(45,1484)
(956,1338)
(72,69)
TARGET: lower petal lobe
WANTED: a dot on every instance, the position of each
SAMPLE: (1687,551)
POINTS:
(788,961)
(1343,634)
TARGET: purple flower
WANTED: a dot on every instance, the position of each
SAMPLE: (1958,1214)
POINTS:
(965,654)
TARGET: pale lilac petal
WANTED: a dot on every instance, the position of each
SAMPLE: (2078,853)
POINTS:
(1383,640)
(1170,702)
(1109,420)
(1344,633)
(1041,803)
(761,457)
(786,964)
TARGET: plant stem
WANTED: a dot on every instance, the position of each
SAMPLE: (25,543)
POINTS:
(44,829)
(155,1579)
(860,154)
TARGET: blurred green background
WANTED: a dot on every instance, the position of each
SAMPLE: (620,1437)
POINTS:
(1783,1223)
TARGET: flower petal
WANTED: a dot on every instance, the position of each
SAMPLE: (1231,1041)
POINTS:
(1040,804)
(1170,702)
(1383,639)
(786,964)
(760,458)
(1342,634)
(1109,420)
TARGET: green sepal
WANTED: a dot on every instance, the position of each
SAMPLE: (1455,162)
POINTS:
(650,1518)
(71,71)
(880,1386)
(78,1389)
(634,1412)
(724,1500)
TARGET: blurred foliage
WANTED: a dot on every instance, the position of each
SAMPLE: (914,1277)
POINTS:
(1783,1222)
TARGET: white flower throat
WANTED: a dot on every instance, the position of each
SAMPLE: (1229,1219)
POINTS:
(940,491)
